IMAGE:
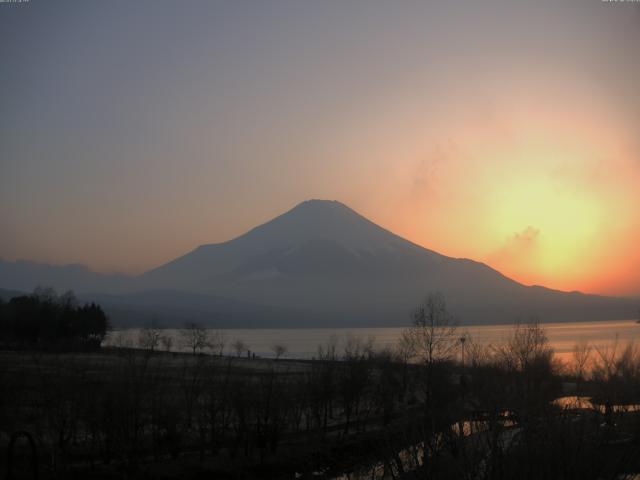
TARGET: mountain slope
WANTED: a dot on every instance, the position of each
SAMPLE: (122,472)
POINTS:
(305,234)
(323,258)
(319,264)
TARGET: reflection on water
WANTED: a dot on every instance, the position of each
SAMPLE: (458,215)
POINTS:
(573,402)
(409,459)
(412,457)
(303,343)
(471,427)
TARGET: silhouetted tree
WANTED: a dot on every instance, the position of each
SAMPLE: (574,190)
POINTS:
(167,342)
(279,350)
(194,337)
(239,346)
(217,342)
(581,357)
(149,337)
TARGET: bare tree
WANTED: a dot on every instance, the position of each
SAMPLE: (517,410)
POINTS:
(475,353)
(149,338)
(328,351)
(45,294)
(239,346)
(217,342)
(616,373)
(68,299)
(354,376)
(194,337)
(527,358)
(358,347)
(433,342)
(167,342)
(402,354)
(120,340)
(581,359)
(528,346)
(432,337)
(279,350)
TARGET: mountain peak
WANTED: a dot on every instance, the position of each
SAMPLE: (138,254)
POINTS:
(321,203)
(312,224)
(319,206)
(320,219)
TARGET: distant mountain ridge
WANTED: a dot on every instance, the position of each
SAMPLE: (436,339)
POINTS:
(322,263)
(26,275)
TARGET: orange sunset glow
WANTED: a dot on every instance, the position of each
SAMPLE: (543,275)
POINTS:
(546,195)
(466,133)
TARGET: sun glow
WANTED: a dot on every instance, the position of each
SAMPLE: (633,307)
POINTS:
(545,223)
(539,206)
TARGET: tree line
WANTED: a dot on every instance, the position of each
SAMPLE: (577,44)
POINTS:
(46,320)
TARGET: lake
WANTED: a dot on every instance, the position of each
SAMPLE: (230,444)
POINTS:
(303,343)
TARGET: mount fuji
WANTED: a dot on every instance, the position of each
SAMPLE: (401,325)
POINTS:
(323,264)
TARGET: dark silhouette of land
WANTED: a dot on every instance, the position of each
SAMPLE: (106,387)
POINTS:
(47,321)
(419,410)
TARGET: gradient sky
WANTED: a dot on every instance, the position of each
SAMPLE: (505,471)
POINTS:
(507,132)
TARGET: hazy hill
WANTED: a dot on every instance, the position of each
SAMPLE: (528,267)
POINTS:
(25,275)
(320,263)
(5,295)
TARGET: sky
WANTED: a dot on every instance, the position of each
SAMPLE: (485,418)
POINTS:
(506,132)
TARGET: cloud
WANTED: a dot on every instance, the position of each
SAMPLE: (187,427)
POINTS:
(430,172)
(425,178)
(518,250)
(526,237)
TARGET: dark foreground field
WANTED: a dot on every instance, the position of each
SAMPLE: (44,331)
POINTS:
(131,413)
(125,413)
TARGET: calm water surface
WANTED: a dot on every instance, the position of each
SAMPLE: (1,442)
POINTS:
(303,343)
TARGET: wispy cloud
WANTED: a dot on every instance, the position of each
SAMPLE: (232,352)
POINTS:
(517,250)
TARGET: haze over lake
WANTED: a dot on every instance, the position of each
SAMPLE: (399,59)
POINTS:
(302,343)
